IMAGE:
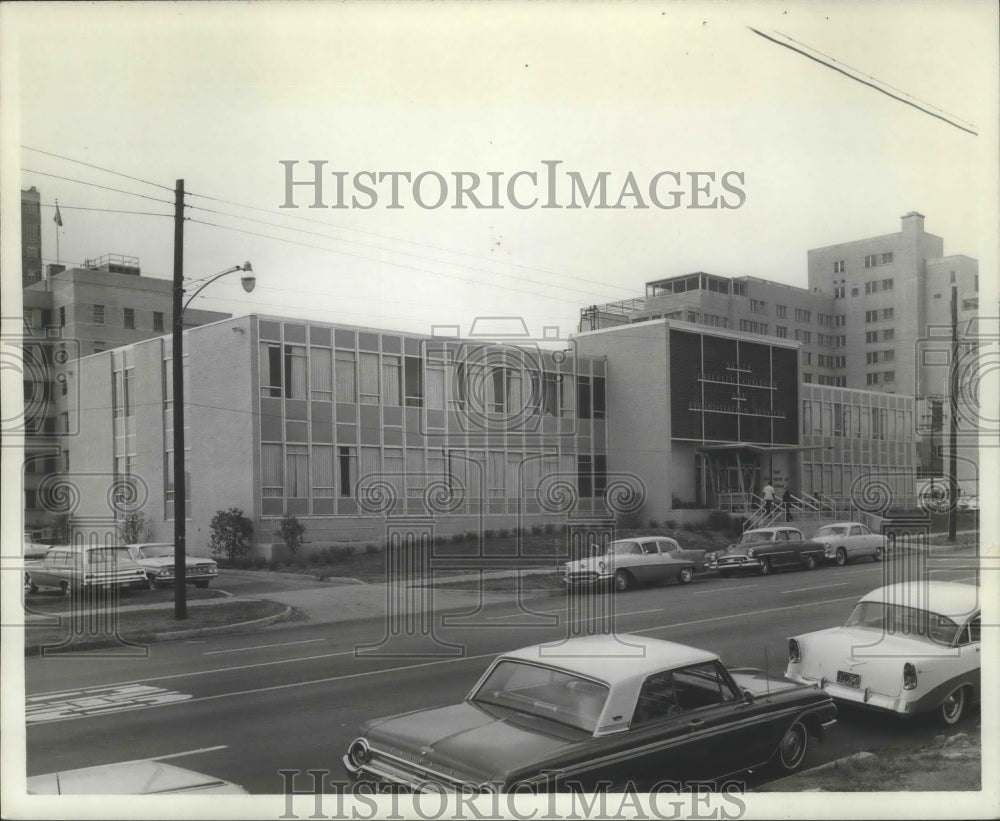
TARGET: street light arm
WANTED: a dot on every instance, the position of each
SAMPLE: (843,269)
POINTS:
(244,267)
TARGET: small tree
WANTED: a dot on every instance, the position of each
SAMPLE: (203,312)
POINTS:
(291,531)
(133,528)
(231,532)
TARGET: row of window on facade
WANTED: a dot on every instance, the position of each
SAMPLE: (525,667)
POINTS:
(872,286)
(99,317)
(328,471)
(822,418)
(370,378)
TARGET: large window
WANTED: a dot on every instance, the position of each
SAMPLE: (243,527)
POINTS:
(297,475)
(272,479)
(346,377)
(414,381)
(552,394)
(347,469)
(130,318)
(295,372)
(322,471)
(270,370)
(391,388)
(583,403)
(321,373)
(368,378)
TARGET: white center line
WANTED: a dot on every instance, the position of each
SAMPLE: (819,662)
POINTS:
(720,589)
(615,614)
(818,587)
(259,647)
(526,613)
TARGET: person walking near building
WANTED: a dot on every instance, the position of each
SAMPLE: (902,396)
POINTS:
(786,501)
(768,494)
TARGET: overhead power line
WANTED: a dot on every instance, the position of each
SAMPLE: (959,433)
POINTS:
(96,185)
(98,167)
(865,79)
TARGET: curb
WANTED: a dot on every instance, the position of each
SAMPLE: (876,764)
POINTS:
(35,649)
(221,628)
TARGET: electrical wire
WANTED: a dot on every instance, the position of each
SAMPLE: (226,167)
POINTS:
(97,167)
(96,185)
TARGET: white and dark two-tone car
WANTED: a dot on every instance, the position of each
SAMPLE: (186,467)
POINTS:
(627,563)
(846,541)
(599,712)
(157,560)
(907,648)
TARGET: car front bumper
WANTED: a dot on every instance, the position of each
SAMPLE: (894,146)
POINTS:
(587,578)
(741,563)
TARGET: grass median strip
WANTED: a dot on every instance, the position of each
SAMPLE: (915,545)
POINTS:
(139,626)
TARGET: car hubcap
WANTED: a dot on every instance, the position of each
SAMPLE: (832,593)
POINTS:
(878,554)
(793,747)
(951,709)
(841,556)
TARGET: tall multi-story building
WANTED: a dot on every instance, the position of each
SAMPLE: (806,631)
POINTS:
(70,313)
(868,309)
(31,236)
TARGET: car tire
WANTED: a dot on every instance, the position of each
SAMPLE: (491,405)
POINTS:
(622,581)
(152,583)
(765,568)
(202,583)
(952,708)
(841,557)
(878,554)
(809,561)
(793,748)
(686,576)
(29,584)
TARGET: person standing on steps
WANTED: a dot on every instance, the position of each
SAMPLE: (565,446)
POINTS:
(768,494)
(786,501)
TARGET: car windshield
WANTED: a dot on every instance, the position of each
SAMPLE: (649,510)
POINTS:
(544,692)
(752,536)
(832,530)
(107,555)
(157,551)
(623,549)
(896,619)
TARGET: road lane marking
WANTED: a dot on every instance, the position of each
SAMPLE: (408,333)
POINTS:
(260,647)
(616,614)
(93,701)
(743,615)
(526,613)
(390,670)
(818,587)
(720,589)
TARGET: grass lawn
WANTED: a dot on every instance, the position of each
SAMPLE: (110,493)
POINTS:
(368,563)
(137,626)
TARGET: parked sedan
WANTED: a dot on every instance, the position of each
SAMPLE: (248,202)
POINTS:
(630,562)
(768,548)
(850,540)
(906,648)
(598,712)
(157,560)
(78,567)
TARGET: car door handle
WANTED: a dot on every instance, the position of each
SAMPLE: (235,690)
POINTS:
(695,723)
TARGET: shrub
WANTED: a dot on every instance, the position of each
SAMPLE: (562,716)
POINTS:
(536,530)
(653,524)
(671,524)
(457,538)
(688,526)
(549,529)
(504,533)
(230,534)
(291,531)
(629,521)
(132,528)
(717,520)
(372,549)
(489,534)
(259,562)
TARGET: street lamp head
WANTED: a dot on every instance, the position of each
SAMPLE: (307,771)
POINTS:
(248,280)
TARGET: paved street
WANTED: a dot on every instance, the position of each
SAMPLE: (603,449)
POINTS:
(242,707)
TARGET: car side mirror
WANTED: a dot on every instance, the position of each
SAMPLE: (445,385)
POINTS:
(749,697)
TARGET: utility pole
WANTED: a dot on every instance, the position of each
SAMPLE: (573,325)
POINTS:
(953,422)
(177,362)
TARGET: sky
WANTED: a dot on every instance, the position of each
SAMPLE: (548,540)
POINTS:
(220,94)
